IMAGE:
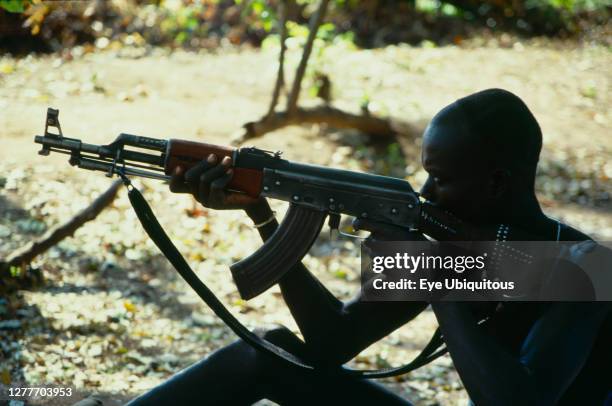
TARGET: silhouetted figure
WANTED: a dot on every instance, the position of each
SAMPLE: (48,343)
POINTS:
(481,154)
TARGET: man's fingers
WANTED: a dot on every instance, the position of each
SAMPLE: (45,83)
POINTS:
(207,179)
(226,162)
(203,191)
(221,183)
(193,174)
(216,194)
(212,174)
(177,181)
(220,197)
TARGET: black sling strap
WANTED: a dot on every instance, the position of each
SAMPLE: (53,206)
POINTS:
(156,232)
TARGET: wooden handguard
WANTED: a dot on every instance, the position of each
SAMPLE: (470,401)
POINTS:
(189,153)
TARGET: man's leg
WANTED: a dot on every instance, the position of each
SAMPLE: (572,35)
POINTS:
(224,377)
(240,375)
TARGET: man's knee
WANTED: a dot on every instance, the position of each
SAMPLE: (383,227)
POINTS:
(279,335)
(236,353)
(256,361)
(282,337)
(240,349)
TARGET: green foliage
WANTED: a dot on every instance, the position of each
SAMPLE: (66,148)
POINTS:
(296,30)
(395,161)
(570,6)
(14,6)
(346,38)
(326,32)
(208,23)
(262,11)
(15,271)
(450,10)
(573,6)
(181,23)
(435,7)
(427,6)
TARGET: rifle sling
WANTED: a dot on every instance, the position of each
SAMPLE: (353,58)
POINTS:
(162,241)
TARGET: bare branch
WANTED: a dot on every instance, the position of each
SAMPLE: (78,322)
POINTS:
(334,117)
(315,22)
(280,77)
(26,254)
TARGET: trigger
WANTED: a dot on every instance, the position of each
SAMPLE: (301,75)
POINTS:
(334,223)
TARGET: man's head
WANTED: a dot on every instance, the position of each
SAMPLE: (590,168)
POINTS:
(481,154)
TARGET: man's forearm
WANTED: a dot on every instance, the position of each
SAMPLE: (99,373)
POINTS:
(316,310)
(334,330)
(490,374)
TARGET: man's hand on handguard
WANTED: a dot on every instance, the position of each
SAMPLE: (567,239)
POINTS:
(207,182)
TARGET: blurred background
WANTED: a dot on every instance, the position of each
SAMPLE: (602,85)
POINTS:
(101,310)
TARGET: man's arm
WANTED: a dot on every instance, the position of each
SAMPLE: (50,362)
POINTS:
(551,357)
(334,330)
(338,331)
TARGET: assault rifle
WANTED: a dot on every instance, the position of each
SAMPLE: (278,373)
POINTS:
(314,193)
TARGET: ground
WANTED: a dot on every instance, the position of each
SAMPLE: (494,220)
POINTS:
(113,318)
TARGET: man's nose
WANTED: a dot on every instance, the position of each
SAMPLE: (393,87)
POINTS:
(428,190)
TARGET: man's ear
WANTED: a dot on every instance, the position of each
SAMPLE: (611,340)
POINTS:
(499,183)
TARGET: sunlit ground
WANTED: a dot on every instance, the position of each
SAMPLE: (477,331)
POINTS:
(113,317)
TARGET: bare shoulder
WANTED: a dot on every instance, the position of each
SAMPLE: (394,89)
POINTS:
(569,233)
(593,259)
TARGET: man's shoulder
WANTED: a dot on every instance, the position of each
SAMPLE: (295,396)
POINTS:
(569,233)
(593,258)
(580,247)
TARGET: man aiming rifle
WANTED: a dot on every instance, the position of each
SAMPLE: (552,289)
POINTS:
(481,154)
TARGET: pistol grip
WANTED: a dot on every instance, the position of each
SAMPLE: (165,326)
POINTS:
(281,252)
